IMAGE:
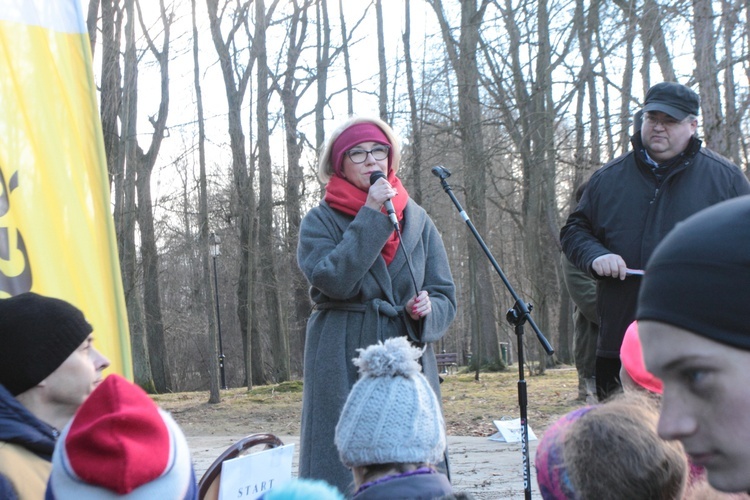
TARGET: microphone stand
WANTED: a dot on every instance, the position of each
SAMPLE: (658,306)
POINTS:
(397,228)
(517,316)
(408,260)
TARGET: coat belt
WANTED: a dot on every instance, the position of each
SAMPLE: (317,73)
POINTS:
(374,310)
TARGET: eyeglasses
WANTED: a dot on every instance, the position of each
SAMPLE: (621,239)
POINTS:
(379,152)
(664,121)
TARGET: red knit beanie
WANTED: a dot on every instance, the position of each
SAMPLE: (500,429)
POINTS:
(356,134)
(120,443)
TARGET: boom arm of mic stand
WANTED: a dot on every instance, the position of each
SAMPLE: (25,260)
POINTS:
(521,308)
(517,316)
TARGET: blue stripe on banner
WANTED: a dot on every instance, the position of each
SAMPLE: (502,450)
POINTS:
(63,16)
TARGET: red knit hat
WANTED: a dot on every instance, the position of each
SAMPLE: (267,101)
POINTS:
(631,357)
(120,443)
(356,134)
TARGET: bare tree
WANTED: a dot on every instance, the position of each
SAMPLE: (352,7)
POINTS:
(592,24)
(158,353)
(203,223)
(128,210)
(416,133)
(652,33)
(706,72)
(383,73)
(322,61)
(91,14)
(111,99)
(463,58)
(538,209)
(236,77)
(732,128)
(266,244)
(291,92)
(347,66)
(629,11)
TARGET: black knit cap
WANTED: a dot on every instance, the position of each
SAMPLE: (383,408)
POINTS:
(698,278)
(674,99)
(37,335)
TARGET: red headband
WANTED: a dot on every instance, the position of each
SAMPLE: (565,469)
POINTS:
(350,137)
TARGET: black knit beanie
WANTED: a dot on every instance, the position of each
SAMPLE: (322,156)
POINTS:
(37,335)
(698,278)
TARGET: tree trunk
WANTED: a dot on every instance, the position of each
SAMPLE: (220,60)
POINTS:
(111,99)
(732,127)
(627,77)
(266,245)
(707,74)
(235,92)
(155,336)
(383,73)
(415,178)
(141,365)
(93,10)
(464,62)
(540,194)
(592,25)
(651,21)
(295,178)
(214,394)
(323,60)
(347,66)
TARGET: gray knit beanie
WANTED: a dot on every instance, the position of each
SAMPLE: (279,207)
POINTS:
(698,278)
(392,415)
(37,334)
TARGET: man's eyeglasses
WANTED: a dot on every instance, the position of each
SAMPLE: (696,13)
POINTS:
(664,121)
(379,152)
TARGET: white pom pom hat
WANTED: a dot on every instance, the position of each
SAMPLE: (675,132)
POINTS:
(392,414)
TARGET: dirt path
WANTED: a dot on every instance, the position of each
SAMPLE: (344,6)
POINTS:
(486,469)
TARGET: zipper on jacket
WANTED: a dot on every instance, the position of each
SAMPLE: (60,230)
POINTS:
(656,193)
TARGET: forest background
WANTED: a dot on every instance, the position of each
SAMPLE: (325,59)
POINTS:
(213,112)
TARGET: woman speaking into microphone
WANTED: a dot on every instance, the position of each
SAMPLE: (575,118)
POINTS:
(362,284)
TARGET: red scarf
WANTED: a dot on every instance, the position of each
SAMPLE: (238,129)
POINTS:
(348,198)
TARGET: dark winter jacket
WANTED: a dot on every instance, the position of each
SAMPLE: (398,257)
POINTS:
(625,210)
(26,445)
(413,487)
(358,301)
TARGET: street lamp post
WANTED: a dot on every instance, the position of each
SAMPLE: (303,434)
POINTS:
(215,252)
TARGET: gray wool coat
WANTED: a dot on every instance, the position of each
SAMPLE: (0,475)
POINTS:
(359,301)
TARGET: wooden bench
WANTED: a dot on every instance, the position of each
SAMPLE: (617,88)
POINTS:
(446,361)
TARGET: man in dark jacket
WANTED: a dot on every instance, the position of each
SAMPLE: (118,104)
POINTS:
(48,367)
(633,202)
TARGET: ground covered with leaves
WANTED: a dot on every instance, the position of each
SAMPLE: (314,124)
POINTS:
(469,405)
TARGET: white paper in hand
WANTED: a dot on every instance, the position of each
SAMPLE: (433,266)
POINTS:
(249,476)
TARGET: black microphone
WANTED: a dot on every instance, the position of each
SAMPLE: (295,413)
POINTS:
(441,172)
(387,204)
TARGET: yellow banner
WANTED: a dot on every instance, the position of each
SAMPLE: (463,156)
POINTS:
(57,233)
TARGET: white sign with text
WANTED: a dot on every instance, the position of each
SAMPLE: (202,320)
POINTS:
(249,476)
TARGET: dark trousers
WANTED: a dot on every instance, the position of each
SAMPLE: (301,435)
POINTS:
(607,377)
